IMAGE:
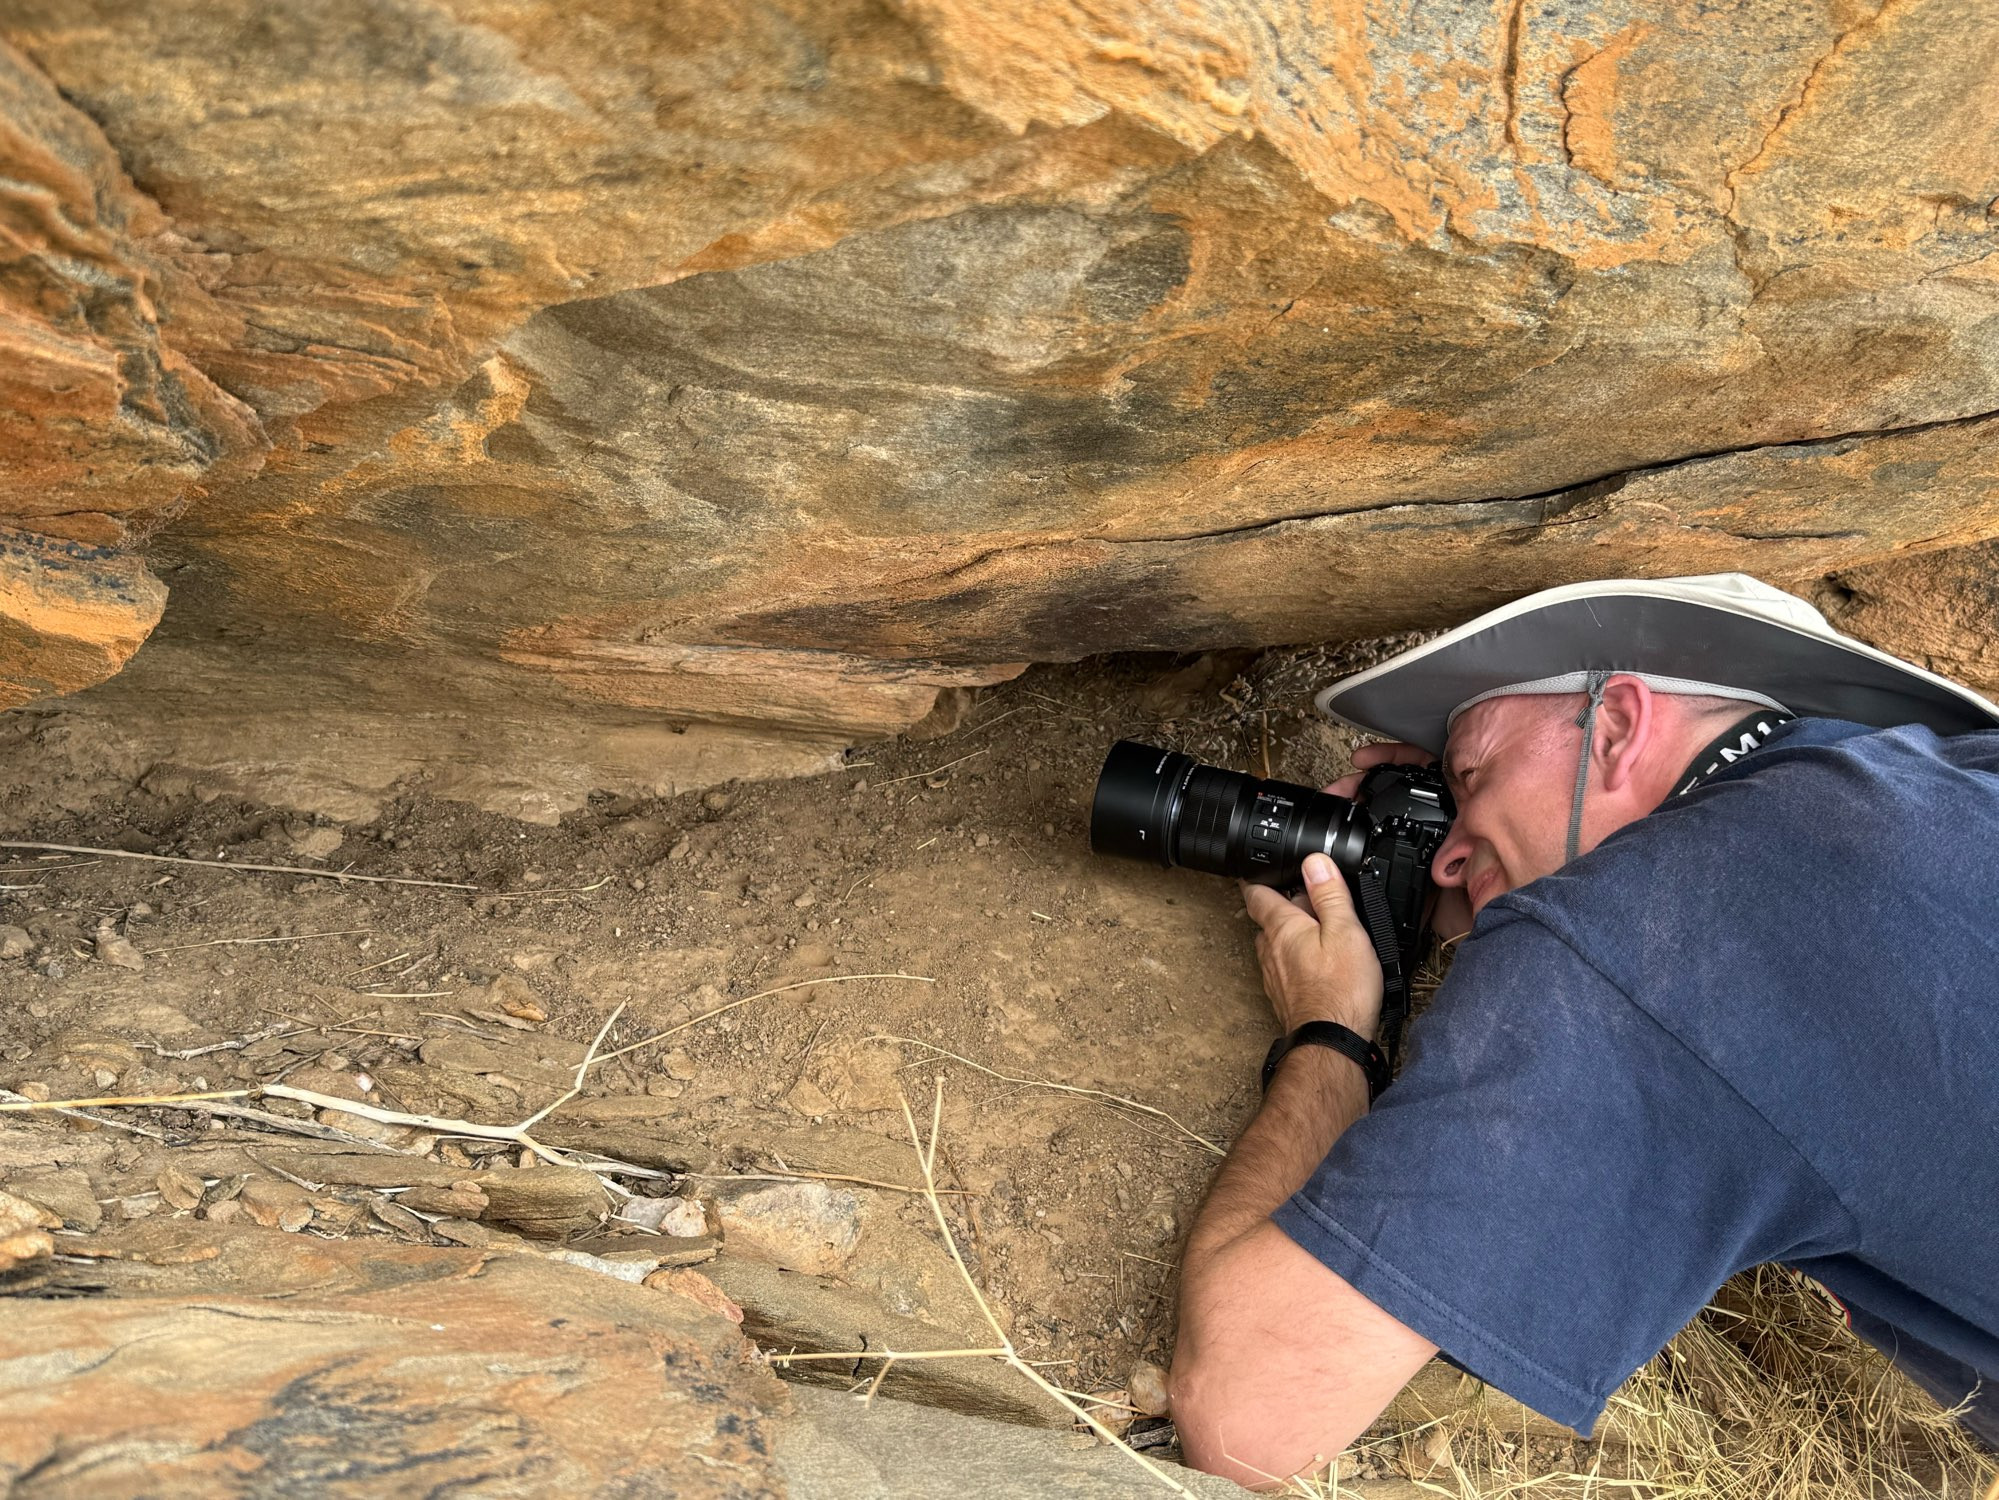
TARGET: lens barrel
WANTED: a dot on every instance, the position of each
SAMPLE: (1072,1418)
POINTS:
(1167,808)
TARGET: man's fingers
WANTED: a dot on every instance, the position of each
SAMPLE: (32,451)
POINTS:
(1266,908)
(1326,891)
(1346,786)
(1391,753)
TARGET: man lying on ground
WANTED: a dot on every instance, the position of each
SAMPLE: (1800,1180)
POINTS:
(1730,996)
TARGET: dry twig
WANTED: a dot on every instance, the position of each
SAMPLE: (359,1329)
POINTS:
(80,1114)
(934,770)
(224,864)
(803,1176)
(303,937)
(69,1106)
(188,1054)
(1060,1088)
(709,1015)
(926,1161)
(573,890)
(219,1103)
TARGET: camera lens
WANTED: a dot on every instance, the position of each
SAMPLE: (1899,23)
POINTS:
(1165,807)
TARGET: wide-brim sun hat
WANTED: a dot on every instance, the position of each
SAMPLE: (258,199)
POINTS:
(1724,634)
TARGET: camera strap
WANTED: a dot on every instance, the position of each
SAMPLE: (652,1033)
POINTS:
(1379,919)
(1744,737)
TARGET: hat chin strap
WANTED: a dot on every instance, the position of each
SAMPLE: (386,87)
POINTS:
(1586,721)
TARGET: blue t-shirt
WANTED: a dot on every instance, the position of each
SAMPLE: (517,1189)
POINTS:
(1760,1024)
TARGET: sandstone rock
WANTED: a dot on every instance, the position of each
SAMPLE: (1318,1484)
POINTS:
(396,1137)
(351,1369)
(19,1215)
(65,1192)
(543,1201)
(681,1282)
(14,942)
(27,1245)
(801,1226)
(797,370)
(515,997)
(316,843)
(271,1201)
(1147,1389)
(787,1310)
(680,1218)
(179,1188)
(462,1200)
(116,949)
(831,1447)
(1938,609)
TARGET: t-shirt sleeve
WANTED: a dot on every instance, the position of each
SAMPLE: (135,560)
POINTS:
(1555,1185)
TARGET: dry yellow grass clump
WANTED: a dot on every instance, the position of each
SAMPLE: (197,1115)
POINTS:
(1765,1396)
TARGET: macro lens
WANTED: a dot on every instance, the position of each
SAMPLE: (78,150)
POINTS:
(1167,808)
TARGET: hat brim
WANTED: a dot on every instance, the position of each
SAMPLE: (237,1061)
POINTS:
(1726,628)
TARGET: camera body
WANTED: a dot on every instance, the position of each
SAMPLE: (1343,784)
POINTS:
(1169,809)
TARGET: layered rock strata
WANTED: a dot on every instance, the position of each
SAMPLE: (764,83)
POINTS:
(554,396)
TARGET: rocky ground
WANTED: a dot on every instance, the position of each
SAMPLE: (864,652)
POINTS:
(766,970)
(707,1011)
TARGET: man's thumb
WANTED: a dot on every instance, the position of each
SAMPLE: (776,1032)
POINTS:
(1325,889)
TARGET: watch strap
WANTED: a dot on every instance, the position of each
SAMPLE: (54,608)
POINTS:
(1341,1039)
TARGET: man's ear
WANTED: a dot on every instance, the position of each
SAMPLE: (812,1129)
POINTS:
(1624,726)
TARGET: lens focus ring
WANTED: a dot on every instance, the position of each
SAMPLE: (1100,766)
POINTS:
(1207,812)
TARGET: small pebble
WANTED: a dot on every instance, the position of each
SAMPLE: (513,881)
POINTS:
(717,801)
(1147,1389)
(14,942)
(804,899)
(117,950)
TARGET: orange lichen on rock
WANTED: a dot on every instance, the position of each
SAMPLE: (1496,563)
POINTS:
(1589,98)
(752,374)
(69,614)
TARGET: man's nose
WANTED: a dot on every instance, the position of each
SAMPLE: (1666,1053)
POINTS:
(1448,868)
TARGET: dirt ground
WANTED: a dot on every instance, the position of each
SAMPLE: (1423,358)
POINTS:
(962,860)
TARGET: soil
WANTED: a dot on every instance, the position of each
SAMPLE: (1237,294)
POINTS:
(961,859)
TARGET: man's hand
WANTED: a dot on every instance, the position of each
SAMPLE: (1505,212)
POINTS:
(1450,914)
(1318,964)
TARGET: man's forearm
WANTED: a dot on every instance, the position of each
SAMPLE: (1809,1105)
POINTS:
(1280,1363)
(1315,1096)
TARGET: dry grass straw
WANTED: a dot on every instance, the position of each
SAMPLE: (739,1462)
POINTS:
(926,1161)
(1765,1396)
(226,864)
(1059,1088)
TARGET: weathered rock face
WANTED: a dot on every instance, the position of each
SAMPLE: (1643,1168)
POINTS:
(1940,610)
(289,1366)
(608,394)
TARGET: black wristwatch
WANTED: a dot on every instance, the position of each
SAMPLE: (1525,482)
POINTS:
(1343,1040)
